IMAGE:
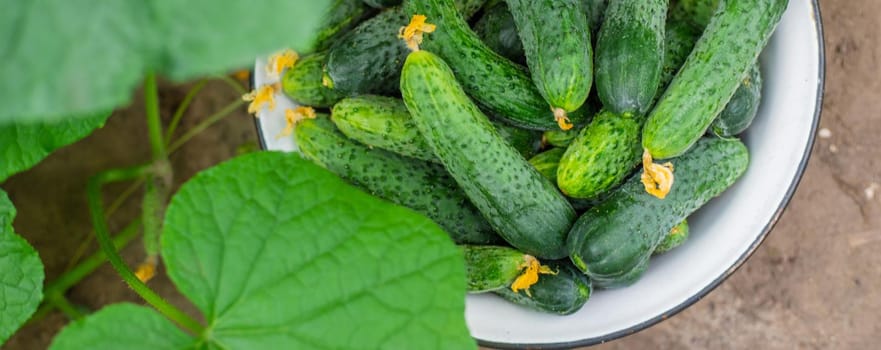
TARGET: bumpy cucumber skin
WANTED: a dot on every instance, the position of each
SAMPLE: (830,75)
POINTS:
(381,4)
(563,293)
(497,30)
(421,186)
(489,268)
(525,208)
(341,16)
(678,43)
(526,142)
(382,122)
(741,110)
(699,12)
(629,55)
(368,60)
(612,238)
(302,83)
(712,73)
(601,157)
(496,83)
(547,163)
(556,39)
(385,122)
(674,238)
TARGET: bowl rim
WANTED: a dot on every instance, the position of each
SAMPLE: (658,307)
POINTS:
(806,155)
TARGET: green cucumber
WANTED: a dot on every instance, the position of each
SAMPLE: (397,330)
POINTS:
(601,156)
(629,55)
(385,122)
(340,17)
(302,83)
(560,138)
(678,43)
(712,73)
(699,12)
(563,293)
(381,4)
(489,268)
(614,237)
(547,163)
(421,186)
(497,30)
(556,39)
(525,208)
(496,83)
(673,239)
(741,110)
(368,60)
(382,122)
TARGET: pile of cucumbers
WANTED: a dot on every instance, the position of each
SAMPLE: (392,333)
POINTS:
(522,127)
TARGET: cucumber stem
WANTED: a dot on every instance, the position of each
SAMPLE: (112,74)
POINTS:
(562,118)
(657,178)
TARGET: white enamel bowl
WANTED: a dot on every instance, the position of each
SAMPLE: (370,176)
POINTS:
(724,233)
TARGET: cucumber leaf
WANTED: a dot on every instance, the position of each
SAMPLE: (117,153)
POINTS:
(21,274)
(123,326)
(23,145)
(63,58)
(278,253)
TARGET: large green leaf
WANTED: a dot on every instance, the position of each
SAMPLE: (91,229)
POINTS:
(23,145)
(280,254)
(76,57)
(21,274)
(123,326)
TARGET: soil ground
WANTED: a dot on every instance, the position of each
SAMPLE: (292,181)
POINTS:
(811,285)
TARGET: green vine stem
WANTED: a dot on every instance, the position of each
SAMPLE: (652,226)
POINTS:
(159,181)
(181,109)
(96,210)
(55,290)
(154,122)
(208,122)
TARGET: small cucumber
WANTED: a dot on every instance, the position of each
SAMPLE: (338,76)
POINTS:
(678,43)
(497,30)
(340,17)
(563,293)
(489,268)
(302,83)
(547,163)
(560,138)
(699,12)
(712,73)
(673,239)
(614,237)
(381,4)
(382,122)
(421,186)
(556,39)
(601,157)
(496,83)
(385,122)
(525,208)
(741,110)
(368,60)
(629,55)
